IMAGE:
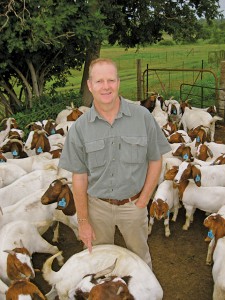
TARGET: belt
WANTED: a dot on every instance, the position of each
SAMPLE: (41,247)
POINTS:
(120,202)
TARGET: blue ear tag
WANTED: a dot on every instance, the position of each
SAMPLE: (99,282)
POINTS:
(198,139)
(168,214)
(62,202)
(174,112)
(39,150)
(14,153)
(197,178)
(210,234)
(53,131)
(185,156)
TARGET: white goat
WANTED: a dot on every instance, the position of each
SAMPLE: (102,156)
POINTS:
(11,236)
(4,133)
(207,199)
(193,118)
(165,200)
(27,163)
(160,115)
(25,185)
(143,283)
(218,270)
(202,175)
(9,173)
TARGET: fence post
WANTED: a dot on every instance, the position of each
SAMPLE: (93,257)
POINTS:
(139,81)
(222,91)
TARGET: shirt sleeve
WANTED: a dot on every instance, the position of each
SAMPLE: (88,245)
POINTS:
(157,142)
(73,155)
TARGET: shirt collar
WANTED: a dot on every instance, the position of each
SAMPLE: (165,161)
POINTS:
(124,109)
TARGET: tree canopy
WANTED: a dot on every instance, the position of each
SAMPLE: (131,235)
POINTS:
(41,41)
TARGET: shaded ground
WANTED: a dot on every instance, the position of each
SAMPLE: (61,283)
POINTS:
(178,261)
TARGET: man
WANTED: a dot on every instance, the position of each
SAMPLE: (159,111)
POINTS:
(115,154)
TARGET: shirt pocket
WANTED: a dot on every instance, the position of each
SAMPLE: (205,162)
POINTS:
(133,149)
(96,153)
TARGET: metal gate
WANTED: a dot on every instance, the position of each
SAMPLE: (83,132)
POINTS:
(168,80)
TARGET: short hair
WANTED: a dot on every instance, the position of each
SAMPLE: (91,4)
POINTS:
(101,61)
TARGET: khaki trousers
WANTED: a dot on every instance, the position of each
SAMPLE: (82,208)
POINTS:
(131,221)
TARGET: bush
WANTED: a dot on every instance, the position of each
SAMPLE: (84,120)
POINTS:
(47,107)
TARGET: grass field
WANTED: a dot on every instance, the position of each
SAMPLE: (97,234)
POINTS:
(195,56)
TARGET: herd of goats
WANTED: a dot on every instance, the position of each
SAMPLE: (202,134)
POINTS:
(35,194)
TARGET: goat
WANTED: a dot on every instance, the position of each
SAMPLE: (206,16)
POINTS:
(160,115)
(9,173)
(216,224)
(13,233)
(202,175)
(24,288)
(116,289)
(179,136)
(165,199)
(218,270)
(194,197)
(30,209)
(71,113)
(193,118)
(59,191)
(15,148)
(31,163)
(9,123)
(102,286)
(142,285)
(25,185)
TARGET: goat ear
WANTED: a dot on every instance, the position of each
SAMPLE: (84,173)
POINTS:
(152,208)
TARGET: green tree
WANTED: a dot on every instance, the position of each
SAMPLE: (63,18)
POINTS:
(42,40)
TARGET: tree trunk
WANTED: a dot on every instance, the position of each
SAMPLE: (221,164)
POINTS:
(25,84)
(92,53)
(33,77)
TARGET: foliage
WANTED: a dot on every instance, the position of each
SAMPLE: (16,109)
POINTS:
(42,41)
(47,107)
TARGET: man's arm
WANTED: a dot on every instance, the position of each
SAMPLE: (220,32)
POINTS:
(151,181)
(80,184)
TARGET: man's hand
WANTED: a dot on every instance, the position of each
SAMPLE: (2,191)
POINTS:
(86,234)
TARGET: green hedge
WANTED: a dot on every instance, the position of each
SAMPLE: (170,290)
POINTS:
(47,107)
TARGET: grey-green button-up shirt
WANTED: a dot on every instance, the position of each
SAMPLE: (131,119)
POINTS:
(116,156)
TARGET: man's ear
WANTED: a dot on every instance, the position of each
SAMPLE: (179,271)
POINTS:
(89,85)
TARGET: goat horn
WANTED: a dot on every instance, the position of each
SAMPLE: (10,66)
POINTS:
(120,289)
(210,152)
(16,141)
(21,244)
(3,120)
(105,271)
(10,252)
(29,124)
(1,210)
(67,182)
(41,131)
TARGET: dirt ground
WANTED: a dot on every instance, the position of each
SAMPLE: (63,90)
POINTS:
(178,261)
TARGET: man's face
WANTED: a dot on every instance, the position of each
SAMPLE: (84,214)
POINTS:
(104,83)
